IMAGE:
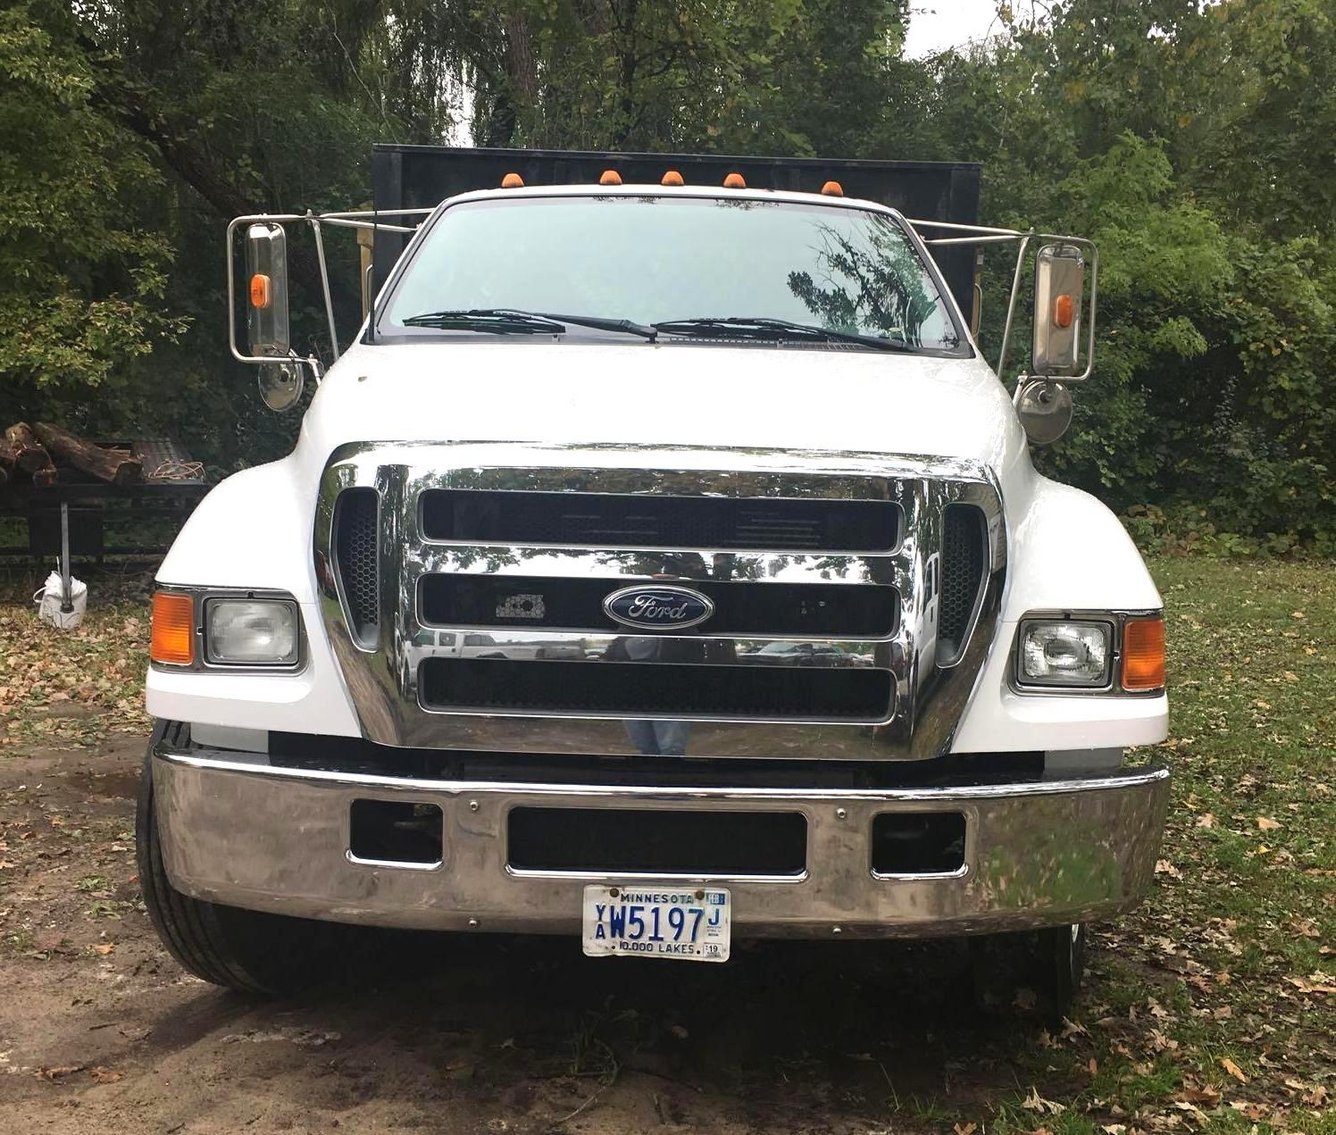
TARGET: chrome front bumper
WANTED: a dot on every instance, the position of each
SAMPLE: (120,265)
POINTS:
(240,832)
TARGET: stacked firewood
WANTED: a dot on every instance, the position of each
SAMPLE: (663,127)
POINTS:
(32,451)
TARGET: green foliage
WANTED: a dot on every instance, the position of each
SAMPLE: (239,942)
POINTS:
(1195,143)
(82,273)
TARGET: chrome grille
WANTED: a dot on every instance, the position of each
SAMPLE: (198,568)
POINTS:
(813,651)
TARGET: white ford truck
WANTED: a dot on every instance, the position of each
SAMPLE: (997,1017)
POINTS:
(662,565)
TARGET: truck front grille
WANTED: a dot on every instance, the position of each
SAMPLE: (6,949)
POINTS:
(660,689)
(818,610)
(624,520)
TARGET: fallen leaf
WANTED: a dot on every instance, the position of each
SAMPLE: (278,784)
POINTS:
(1266,824)
(51,1075)
(1206,820)
(103,1075)
(1164,867)
(964,1129)
(104,948)
(1233,1069)
(1035,1102)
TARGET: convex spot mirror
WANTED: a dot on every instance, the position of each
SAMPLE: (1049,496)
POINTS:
(1059,287)
(267,291)
(281,384)
(1045,411)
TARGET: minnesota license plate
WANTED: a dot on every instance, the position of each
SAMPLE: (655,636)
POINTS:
(687,924)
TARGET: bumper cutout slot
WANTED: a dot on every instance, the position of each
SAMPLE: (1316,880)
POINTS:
(384,831)
(918,843)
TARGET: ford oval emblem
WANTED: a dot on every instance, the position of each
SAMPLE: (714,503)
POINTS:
(658,608)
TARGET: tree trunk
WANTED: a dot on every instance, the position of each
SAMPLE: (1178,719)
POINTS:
(106,464)
(28,452)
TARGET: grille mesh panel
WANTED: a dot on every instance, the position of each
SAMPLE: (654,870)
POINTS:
(962,576)
(355,522)
(621,520)
(656,689)
(825,610)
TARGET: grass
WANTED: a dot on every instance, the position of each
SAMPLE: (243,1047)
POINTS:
(1209,1008)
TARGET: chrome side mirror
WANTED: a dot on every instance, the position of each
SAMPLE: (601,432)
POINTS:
(267,325)
(1059,288)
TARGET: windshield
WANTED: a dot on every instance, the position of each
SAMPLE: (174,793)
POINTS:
(656,260)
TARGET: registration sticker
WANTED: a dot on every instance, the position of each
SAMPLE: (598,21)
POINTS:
(685,924)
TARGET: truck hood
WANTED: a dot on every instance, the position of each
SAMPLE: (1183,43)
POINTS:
(675,394)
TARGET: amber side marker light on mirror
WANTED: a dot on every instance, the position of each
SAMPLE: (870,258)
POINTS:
(1062,311)
(173,636)
(1143,654)
(259,290)
(512,181)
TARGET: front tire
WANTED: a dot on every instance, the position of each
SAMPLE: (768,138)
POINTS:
(244,950)
(1036,972)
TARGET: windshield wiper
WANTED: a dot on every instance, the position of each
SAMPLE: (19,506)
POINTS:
(777,329)
(494,320)
(508,321)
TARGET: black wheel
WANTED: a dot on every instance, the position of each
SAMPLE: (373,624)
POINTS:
(245,950)
(1035,973)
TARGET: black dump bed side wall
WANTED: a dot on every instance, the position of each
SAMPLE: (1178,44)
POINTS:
(408,177)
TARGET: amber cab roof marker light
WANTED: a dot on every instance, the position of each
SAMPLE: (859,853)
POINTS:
(610,177)
(672,177)
(172,637)
(832,189)
(512,181)
(735,181)
(1143,654)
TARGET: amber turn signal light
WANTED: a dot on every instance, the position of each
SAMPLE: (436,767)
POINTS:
(1143,654)
(610,177)
(735,181)
(259,290)
(1062,311)
(512,181)
(172,640)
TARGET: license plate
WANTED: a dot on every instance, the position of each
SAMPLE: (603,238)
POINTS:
(685,924)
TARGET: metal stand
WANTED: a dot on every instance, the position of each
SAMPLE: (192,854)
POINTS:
(66,587)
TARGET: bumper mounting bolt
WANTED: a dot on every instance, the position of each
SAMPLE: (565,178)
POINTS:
(473,805)
(473,924)
(841,814)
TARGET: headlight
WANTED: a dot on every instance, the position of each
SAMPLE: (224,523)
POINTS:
(1068,653)
(251,632)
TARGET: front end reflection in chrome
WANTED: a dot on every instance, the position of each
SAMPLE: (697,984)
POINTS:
(927,699)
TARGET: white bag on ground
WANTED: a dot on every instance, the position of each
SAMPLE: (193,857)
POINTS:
(48,602)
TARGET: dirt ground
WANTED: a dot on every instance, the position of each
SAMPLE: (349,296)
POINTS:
(101,1031)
